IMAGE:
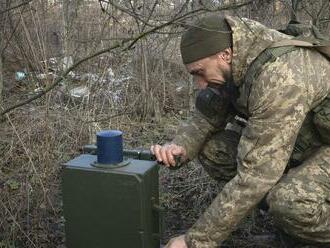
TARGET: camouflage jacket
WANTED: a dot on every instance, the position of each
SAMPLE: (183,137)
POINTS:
(277,103)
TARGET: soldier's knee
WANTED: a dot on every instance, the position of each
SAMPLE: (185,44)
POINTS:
(304,217)
(293,208)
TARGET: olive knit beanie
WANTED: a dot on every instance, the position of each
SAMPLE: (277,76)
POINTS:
(206,37)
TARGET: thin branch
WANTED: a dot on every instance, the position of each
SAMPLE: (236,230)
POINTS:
(101,39)
(184,5)
(294,8)
(110,117)
(11,37)
(150,14)
(16,6)
(308,13)
(322,21)
(121,44)
(130,13)
(185,16)
(318,15)
(17,224)
(57,82)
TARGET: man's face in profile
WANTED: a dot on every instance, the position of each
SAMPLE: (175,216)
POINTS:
(215,69)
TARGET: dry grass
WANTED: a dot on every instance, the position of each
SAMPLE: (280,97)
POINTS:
(36,143)
(37,140)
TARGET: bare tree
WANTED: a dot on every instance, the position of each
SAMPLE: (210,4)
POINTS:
(70,13)
(3,15)
(6,33)
(294,4)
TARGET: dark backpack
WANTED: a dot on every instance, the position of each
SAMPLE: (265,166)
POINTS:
(306,36)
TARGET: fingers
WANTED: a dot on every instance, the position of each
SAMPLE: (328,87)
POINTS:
(155,150)
(166,153)
(180,151)
(177,242)
(169,155)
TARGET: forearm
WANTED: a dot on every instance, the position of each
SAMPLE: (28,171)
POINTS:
(193,133)
(263,153)
(233,204)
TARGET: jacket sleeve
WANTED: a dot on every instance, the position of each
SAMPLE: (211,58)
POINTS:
(193,133)
(277,107)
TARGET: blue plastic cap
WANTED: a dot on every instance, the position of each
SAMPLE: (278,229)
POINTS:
(109,146)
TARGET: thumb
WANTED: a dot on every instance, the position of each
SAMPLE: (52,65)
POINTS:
(179,150)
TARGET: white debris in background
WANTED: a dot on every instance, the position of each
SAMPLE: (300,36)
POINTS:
(38,90)
(77,85)
(180,89)
(42,76)
(80,92)
(110,74)
(90,77)
(67,62)
(72,74)
(53,61)
(20,75)
(121,80)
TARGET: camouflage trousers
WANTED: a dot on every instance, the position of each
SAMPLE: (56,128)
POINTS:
(299,202)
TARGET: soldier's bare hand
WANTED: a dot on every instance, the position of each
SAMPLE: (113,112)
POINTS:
(166,153)
(177,242)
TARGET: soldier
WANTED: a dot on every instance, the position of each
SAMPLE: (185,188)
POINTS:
(280,99)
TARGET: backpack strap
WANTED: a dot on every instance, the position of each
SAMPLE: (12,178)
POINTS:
(322,46)
(324,105)
(268,55)
(293,42)
(278,49)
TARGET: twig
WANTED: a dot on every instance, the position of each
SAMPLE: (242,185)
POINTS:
(318,15)
(185,16)
(10,38)
(27,152)
(57,82)
(17,224)
(16,6)
(120,44)
(110,117)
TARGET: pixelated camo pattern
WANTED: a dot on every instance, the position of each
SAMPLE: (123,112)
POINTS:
(277,103)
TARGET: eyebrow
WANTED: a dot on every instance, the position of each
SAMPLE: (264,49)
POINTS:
(196,72)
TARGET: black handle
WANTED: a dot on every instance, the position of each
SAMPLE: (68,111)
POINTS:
(139,154)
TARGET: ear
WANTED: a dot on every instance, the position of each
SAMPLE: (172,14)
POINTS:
(226,55)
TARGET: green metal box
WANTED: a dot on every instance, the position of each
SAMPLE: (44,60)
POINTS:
(112,208)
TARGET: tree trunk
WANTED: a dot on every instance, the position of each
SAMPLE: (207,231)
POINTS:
(66,28)
(294,8)
(70,11)
(1,79)
(145,80)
